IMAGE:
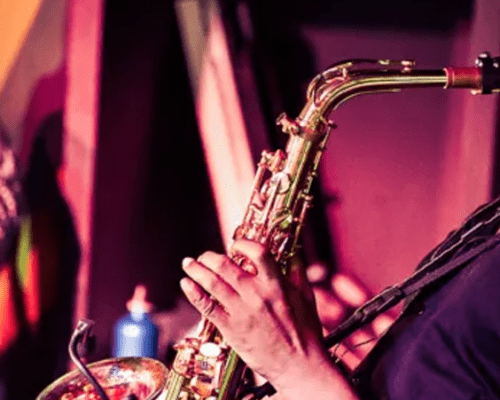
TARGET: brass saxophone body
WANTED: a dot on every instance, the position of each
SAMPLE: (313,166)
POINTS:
(205,367)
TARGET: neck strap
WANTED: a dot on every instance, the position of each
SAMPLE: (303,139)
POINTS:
(476,234)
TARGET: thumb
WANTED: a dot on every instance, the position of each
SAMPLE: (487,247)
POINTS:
(302,296)
(298,278)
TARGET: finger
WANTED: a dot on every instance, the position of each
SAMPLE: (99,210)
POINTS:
(227,269)
(207,306)
(345,355)
(257,254)
(298,278)
(211,282)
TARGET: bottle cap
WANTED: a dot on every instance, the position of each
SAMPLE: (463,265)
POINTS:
(138,302)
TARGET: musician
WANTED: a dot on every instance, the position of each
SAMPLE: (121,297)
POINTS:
(445,345)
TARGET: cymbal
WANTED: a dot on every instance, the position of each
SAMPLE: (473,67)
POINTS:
(138,378)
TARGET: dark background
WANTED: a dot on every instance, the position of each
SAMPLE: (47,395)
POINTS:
(153,202)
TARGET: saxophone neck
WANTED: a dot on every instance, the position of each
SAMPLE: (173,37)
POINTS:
(347,79)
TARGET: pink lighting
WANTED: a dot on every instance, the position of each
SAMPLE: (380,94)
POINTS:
(32,299)
(348,291)
(80,122)
(8,323)
(223,131)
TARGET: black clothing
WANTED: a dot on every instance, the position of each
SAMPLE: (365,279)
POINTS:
(446,345)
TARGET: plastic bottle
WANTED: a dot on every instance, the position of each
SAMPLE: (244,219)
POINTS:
(135,334)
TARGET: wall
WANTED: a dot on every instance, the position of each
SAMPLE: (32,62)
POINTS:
(404,167)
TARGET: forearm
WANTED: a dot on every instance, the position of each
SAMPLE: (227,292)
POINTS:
(318,380)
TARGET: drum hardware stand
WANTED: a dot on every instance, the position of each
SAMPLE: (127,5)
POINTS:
(82,334)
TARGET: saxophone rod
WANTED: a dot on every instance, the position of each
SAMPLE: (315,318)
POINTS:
(480,80)
(483,78)
(474,78)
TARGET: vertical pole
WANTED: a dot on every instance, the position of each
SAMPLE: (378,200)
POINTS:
(219,109)
(80,122)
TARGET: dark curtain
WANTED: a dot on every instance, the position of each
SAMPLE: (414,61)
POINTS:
(153,204)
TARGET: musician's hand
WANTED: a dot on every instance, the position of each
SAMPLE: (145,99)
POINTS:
(270,322)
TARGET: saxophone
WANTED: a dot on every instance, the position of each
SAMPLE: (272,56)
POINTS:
(205,368)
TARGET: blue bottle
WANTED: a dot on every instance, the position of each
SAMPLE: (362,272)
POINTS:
(135,334)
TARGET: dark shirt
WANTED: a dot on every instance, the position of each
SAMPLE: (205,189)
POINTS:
(446,345)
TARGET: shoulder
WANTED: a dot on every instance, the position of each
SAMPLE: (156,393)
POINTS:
(475,291)
(450,348)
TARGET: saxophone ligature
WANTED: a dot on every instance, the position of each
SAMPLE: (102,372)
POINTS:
(205,367)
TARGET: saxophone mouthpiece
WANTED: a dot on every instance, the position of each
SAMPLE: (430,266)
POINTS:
(484,78)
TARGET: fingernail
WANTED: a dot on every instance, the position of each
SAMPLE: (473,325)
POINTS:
(186,284)
(186,261)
